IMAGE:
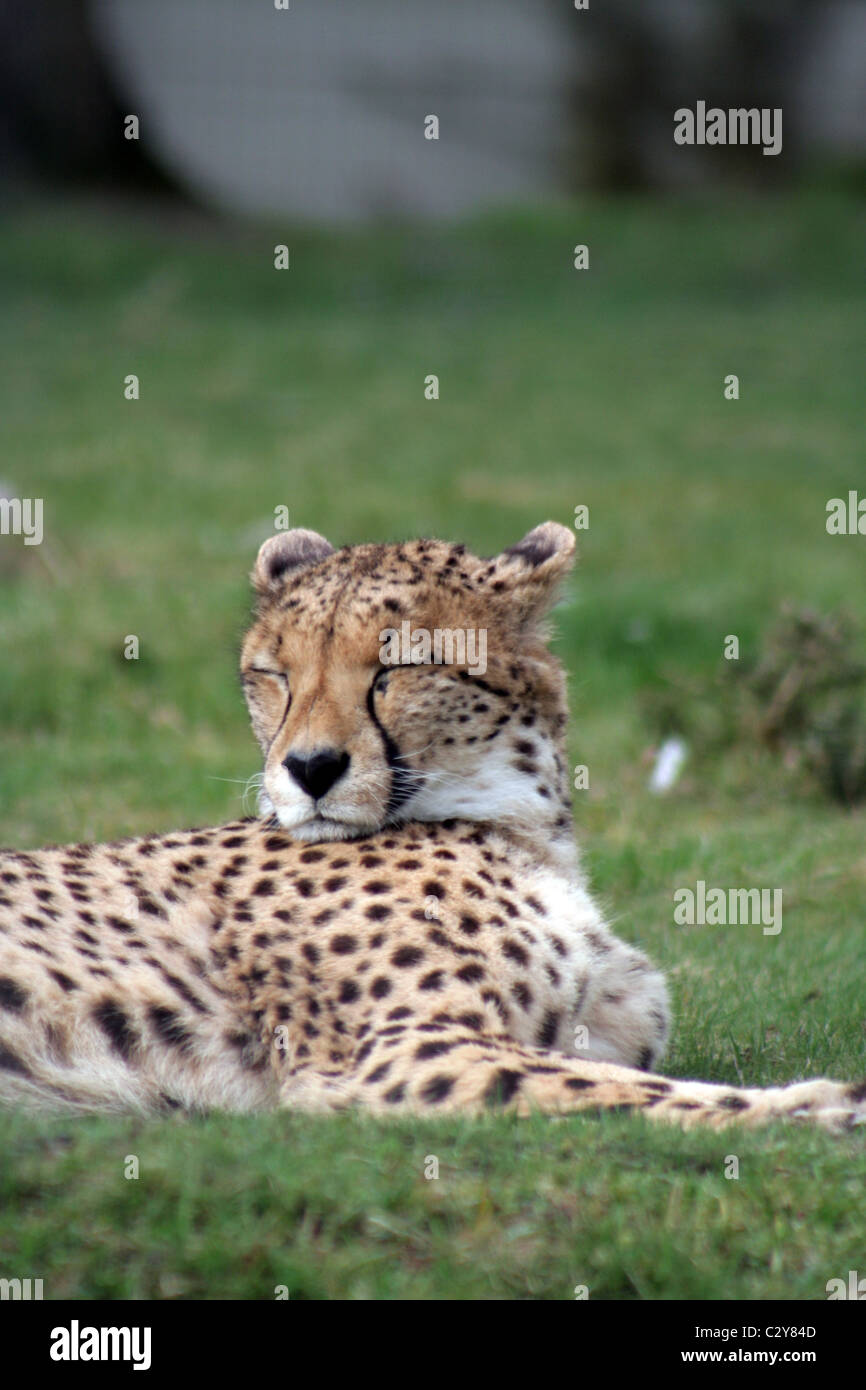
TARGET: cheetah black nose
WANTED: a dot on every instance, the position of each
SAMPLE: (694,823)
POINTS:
(317,773)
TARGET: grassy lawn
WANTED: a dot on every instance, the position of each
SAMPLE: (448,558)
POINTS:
(305,388)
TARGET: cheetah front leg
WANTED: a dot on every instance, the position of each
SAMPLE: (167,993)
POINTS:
(424,1072)
(622,1013)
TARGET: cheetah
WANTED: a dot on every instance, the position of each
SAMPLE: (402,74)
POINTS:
(405,927)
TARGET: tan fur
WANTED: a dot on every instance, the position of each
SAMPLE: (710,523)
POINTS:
(418,936)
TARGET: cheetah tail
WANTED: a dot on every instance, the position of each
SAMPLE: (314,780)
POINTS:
(424,1072)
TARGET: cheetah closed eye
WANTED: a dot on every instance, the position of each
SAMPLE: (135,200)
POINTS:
(405,927)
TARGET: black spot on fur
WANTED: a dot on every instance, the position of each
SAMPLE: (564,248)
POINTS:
(473,890)
(170,1028)
(515,952)
(12,996)
(405,956)
(432,1049)
(116,1025)
(10,1061)
(523,995)
(276,842)
(503,1086)
(734,1103)
(548,1030)
(657,1088)
(183,989)
(118,924)
(377,912)
(148,905)
(437,1089)
(64,981)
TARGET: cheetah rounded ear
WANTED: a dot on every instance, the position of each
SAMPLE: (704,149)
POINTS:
(287,550)
(530,572)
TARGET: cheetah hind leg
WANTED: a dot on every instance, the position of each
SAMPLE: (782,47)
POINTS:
(425,1073)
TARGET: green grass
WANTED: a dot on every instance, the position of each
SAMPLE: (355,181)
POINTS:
(557,388)
(341,1208)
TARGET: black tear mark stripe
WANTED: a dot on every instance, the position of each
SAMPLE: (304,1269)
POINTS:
(282,723)
(404,783)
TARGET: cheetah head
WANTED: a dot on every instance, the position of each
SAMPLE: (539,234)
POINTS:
(389,683)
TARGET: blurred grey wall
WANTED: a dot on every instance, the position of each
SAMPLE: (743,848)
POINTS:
(318,111)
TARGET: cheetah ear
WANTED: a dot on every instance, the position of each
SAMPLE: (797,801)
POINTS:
(287,550)
(531,571)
